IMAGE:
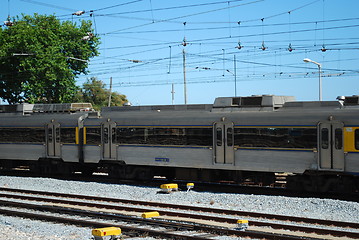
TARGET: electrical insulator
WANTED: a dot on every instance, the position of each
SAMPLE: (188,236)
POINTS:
(78,13)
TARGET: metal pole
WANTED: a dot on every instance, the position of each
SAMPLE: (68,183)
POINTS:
(173,93)
(235,76)
(184,77)
(320,75)
(109,97)
(320,82)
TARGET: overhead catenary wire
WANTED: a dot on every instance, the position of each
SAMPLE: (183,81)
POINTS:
(220,79)
(153,20)
(169,65)
(238,23)
(212,45)
(295,66)
(117,5)
(50,5)
(172,8)
(154,10)
(180,17)
(8,10)
(213,55)
(196,5)
(226,1)
(243,36)
(291,10)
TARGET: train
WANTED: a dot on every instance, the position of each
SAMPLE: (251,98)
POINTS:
(235,139)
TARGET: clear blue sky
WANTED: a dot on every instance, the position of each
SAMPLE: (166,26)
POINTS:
(152,33)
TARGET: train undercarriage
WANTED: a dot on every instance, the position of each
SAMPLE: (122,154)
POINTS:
(310,181)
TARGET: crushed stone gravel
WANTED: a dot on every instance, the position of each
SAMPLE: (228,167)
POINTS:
(24,229)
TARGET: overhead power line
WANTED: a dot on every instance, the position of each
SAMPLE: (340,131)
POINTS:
(242,26)
(236,36)
(50,5)
(117,5)
(188,15)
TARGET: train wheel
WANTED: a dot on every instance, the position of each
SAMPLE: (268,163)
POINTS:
(53,167)
(87,172)
(144,174)
(170,175)
(295,183)
(344,184)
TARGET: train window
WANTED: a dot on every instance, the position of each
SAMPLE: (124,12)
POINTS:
(49,134)
(230,137)
(219,136)
(68,135)
(198,136)
(105,134)
(113,134)
(338,138)
(57,131)
(165,136)
(22,135)
(131,136)
(325,138)
(93,135)
(356,139)
(275,137)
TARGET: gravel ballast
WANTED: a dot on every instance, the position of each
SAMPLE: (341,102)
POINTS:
(18,228)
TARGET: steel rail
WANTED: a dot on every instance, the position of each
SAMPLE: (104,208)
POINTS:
(173,226)
(193,208)
(189,215)
(97,224)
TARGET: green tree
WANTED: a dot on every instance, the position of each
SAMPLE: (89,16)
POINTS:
(94,91)
(40,57)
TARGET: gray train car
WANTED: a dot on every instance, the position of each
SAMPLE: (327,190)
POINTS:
(45,139)
(234,139)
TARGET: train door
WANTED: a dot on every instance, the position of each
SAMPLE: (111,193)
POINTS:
(223,142)
(331,153)
(53,140)
(108,140)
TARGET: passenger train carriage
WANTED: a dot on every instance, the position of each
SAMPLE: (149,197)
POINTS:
(235,139)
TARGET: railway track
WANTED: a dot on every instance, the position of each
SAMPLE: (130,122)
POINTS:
(222,187)
(208,220)
(147,227)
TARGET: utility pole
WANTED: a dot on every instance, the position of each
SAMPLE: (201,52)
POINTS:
(184,77)
(173,93)
(109,97)
(320,75)
(235,76)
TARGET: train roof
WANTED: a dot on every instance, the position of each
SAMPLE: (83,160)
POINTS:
(205,118)
(38,120)
(255,103)
(26,108)
(251,103)
(37,115)
(252,110)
